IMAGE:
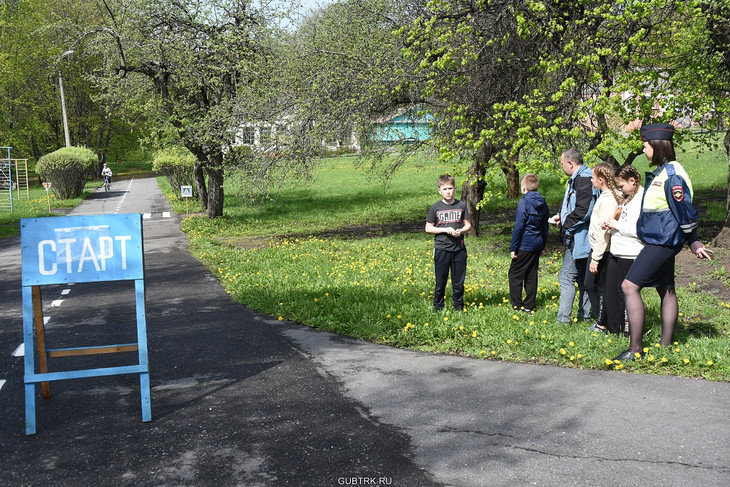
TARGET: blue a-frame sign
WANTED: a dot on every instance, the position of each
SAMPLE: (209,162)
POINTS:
(71,249)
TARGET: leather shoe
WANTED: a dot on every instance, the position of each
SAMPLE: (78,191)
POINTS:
(628,355)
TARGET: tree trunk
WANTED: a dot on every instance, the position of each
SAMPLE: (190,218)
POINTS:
(723,238)
(726,143)
(472,192)
(509,169)
(199,176)
(215,187)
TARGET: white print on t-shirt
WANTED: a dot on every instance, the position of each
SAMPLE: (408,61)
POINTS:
(449,216)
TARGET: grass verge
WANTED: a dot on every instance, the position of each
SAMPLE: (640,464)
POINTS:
(330,255)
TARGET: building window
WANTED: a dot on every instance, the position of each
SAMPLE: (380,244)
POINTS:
(248,135)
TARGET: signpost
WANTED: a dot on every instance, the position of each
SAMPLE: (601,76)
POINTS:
(72,249)
(48,186)
(186,192)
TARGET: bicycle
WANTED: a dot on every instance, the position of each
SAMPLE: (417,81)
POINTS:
(107,183)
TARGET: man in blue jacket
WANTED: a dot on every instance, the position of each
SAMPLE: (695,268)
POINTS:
(574,219)
(528,242)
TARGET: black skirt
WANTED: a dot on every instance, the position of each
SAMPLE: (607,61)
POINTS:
(654,267)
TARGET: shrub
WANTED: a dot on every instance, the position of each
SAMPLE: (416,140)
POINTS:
(67,169)
(176,164)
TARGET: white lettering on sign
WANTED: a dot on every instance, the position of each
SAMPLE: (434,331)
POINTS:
(95,251)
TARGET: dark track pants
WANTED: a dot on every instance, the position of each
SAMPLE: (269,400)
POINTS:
(523,272)
(455,262)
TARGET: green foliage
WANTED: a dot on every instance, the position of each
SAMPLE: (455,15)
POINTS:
(348,73)
(176,164)
(67,169)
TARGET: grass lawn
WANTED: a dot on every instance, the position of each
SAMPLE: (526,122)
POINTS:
(344,254)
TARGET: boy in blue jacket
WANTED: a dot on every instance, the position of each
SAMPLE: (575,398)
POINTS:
(528,243)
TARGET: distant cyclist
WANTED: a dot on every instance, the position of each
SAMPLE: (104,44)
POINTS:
(106,174)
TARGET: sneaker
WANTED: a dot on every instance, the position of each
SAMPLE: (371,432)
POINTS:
(595,327)
(627,355)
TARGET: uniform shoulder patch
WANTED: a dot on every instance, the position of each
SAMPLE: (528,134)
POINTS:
(678,193)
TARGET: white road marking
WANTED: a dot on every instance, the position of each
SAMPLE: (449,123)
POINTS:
(2,383)
(146,216)
(65,292)
(165,214)
(56,302)
(126,192)
(20,351)
(46,319)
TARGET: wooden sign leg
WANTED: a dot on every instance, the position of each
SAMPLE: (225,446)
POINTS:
(40,336)
(29,360)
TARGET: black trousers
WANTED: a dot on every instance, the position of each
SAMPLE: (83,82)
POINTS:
(443,263)
(523,273)
(614,297)
(595,285)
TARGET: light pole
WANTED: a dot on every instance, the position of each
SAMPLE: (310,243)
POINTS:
(63,99)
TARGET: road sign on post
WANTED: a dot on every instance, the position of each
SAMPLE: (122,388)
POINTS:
(47,186)
(72,249)
(186,192)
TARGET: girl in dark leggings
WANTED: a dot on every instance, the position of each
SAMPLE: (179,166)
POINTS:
(625,246)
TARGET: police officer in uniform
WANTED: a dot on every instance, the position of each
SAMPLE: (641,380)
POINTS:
(668,220)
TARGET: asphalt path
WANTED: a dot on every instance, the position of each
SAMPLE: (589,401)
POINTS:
(241,399)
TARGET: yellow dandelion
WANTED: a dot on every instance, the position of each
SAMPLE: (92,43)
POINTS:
(686,361)
(571,344)
(710,362)
(562,351)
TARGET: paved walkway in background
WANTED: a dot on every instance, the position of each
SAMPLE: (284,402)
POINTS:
(239,398)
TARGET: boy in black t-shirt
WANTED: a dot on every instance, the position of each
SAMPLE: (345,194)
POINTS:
(448,220)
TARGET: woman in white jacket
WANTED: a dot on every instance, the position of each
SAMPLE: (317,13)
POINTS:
(625,246)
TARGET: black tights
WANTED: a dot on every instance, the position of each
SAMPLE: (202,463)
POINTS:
(635,310)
